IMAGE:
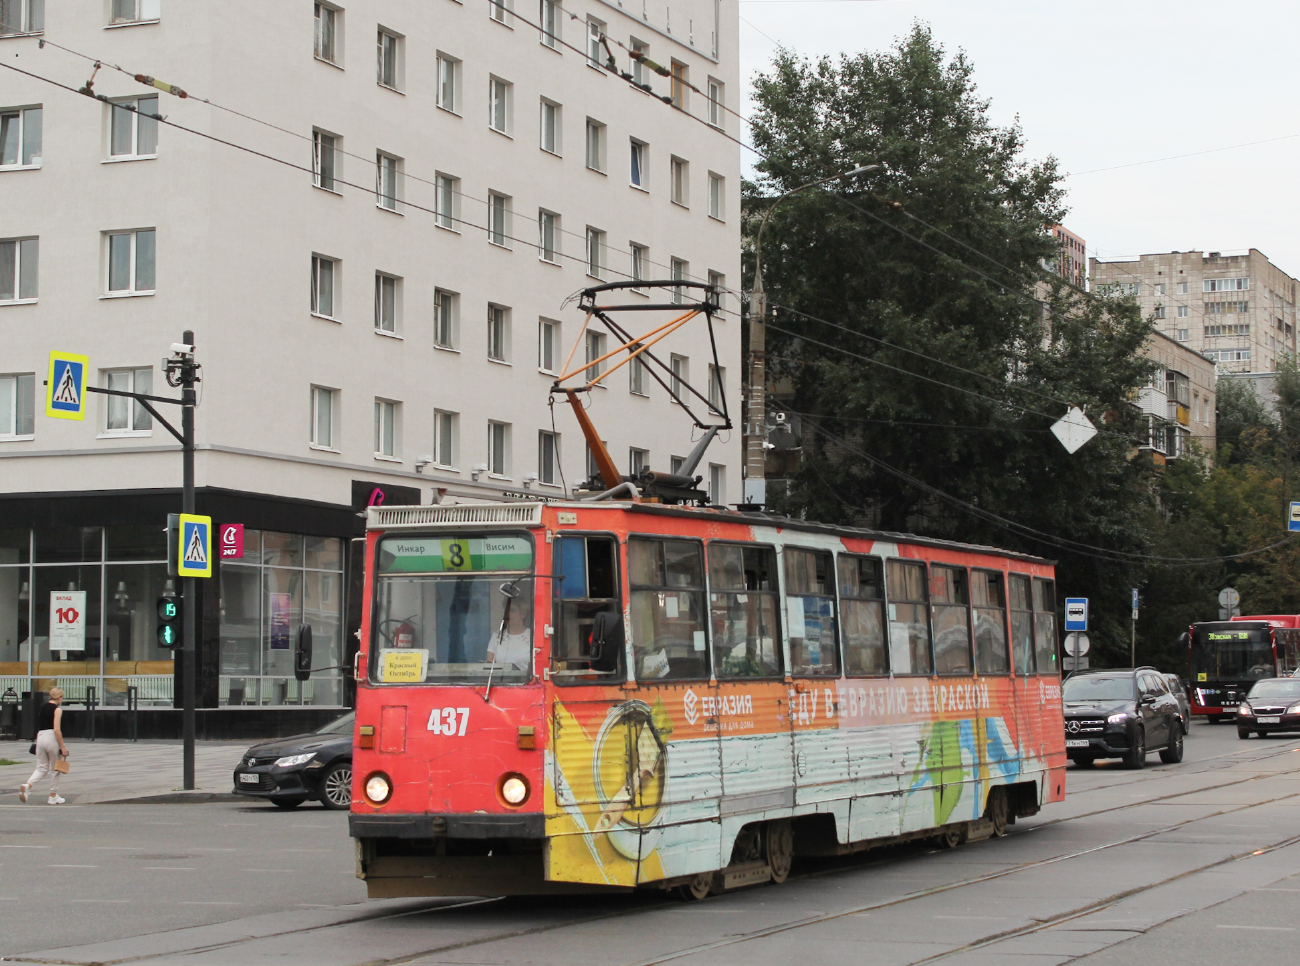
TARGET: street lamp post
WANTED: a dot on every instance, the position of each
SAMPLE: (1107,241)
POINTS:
(756,408)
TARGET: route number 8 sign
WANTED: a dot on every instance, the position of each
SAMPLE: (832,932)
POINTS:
(67,620)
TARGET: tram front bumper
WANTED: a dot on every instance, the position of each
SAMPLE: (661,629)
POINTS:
(474,825)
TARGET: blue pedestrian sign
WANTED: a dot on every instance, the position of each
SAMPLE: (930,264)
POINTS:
(1076,613)
(1294,522)
(194,546)
(65,394)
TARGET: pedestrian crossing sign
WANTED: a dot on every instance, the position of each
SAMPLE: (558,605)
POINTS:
(194,546)
(65,395)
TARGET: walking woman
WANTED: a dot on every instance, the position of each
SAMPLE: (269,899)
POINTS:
(49,747)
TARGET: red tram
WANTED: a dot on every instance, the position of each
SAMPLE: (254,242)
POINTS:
(586,696)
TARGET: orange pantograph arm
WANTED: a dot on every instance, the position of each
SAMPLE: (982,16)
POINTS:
(604,463)
(642,343)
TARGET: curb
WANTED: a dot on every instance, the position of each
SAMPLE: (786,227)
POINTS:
(174,798)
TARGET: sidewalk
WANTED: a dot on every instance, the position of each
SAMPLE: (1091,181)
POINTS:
(115,770)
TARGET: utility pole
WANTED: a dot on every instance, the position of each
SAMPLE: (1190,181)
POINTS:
(183,371)
(755,465)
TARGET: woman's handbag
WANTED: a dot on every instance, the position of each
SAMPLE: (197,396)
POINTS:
(61,766)
(31,749)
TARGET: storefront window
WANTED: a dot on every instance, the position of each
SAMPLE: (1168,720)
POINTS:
(69,544)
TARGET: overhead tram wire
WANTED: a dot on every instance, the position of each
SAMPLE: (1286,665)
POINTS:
(1020,529)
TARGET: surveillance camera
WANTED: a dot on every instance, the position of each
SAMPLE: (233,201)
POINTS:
(779,417)
(180,348)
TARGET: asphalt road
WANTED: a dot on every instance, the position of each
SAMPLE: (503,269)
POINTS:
(1197,862)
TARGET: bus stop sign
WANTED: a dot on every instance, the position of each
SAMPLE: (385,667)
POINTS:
(1076,613)
(1293,521)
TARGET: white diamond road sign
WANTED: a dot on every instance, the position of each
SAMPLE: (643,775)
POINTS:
(1074,429)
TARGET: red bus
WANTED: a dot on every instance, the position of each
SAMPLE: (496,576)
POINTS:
(588,696)
(1226,657)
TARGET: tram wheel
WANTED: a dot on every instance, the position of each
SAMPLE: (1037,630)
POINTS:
(996,810)
(951,837)
(700,887)
(780,849)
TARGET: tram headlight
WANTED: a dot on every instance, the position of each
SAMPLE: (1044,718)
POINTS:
(513,789)
(378,788)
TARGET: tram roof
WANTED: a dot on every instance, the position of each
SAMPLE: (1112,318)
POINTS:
(529,513)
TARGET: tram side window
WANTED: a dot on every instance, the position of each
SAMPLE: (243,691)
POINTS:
(810,611)
(1045,643)
(862,606)
(1022,624)
(589,612)
(989,609)
(950,596)
(668,618)
(742,594)
(909,619)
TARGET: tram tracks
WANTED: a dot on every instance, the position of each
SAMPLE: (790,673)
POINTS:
(652,905)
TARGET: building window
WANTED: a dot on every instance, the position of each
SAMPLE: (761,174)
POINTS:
(499,92)
(640,259)
(21,17)
(548,458)
(322,417)
(498,219)
(717,388)
(550,127)
(1160,312)
(680,367)
(1159,288)
(551,21)
(448,96)
(124,415)
(17,405)
(719,283)
(499,11)
(1182,288)
(19,269)
(386,413)
(548,236)
(447,202)
(548,340)
(327,32)
(388,52)
(716,101)
(498,448)
(636,378)
(638,173)
(388,181)
(679,181)
(446,315)
(1227,284)
(595,346)
(717,201)
(640,73)
(131,262)
(675,464)
(498,333)
(1182,311)
(446,428)
(133,128)
(678,270)
(595,145)
(134,11)
(20,138)
(717,484)
(680,77)
(595,33)
(388,293)
(638,461)
(323,271)
(324,159)
(1182,335)
(595,252)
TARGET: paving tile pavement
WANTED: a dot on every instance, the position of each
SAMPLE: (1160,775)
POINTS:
(116,770)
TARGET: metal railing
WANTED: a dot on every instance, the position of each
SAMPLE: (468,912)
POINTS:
(151,690)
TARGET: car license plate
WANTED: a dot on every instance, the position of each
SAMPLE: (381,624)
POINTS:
(1269,719)
(1076,742)
(247,779)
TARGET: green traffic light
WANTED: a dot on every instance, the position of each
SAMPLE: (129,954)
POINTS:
(167,635)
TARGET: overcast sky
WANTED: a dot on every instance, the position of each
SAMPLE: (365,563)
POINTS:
(1104,83)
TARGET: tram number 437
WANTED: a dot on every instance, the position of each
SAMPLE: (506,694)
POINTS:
(442,721)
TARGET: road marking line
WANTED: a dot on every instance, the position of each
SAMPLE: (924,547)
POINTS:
(99,900)
(1263,928)
(72,867)
(168,868)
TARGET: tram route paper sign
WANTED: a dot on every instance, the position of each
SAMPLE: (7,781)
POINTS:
(405,666)
(67,620)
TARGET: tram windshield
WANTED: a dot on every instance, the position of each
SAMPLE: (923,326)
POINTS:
(1231,652)
(453,610)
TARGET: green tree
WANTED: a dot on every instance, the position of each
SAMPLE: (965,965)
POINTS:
(1021,348)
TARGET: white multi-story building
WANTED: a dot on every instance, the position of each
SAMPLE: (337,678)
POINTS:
(372,226)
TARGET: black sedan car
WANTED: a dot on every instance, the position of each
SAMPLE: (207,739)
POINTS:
(289,771)
(1273,704)
(1121,714)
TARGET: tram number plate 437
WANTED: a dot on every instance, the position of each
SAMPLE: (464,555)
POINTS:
(451,722)
(1076,743)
